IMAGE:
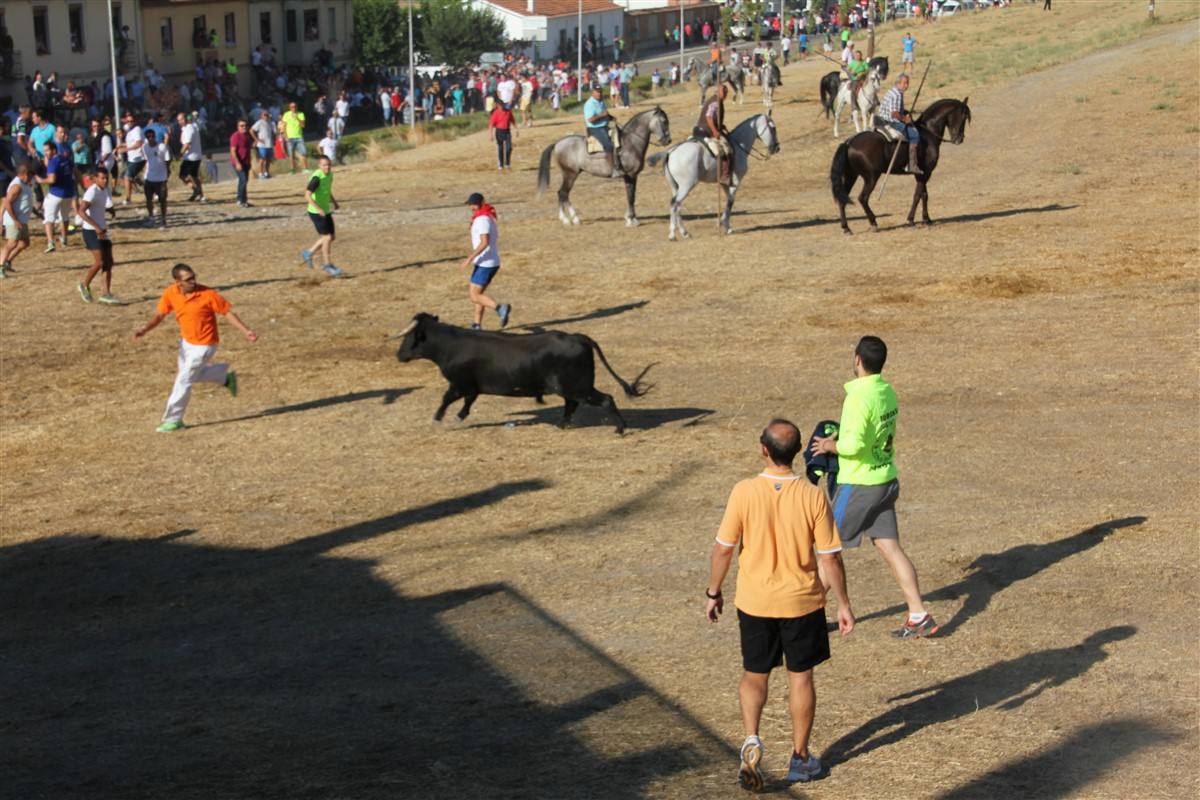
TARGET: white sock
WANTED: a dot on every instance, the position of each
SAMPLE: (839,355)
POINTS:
(916,617)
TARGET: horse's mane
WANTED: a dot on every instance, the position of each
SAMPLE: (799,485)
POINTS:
(939,107)
(641,114)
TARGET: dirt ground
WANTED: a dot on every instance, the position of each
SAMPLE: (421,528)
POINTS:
(315,592)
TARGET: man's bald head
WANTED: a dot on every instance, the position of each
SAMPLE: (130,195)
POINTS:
(781,440)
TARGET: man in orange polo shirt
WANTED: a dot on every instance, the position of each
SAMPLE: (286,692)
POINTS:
(195,308)
(777,520)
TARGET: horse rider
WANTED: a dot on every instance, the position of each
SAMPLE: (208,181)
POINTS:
(597,119)
(893,114)
(857,69)
(714,61)
(712,125)
(773,62)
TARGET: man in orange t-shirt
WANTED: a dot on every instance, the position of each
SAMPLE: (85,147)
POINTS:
(195,308)
(776,521)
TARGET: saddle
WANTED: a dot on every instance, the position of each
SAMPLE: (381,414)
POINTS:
(593,144)
(718,147)
(887,131)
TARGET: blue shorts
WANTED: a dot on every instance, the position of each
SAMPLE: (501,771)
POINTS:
(482,276)
(294,145)
(266,153)
(909,131)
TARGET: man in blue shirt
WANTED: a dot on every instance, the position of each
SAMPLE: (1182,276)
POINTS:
(41,132)
(597,118)
(59,203)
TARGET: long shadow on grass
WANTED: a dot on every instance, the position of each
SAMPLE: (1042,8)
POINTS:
(1008,212)
(641,419)
(1063,770)
(599,313)
(388,396)
(995,572)
(815,222)
(1005,686)
(173,668)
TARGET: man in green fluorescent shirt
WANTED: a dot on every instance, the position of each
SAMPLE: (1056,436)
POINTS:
(321,205)
(865,501)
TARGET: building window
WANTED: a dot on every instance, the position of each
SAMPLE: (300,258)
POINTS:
(312,25)
(168,36)
(264,27)
(230,30)
(75,23)
(331,31)
(41,31)
(200,39)
(291,25)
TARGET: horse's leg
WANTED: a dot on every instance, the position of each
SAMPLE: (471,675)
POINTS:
(912,212)
(925,201)
(631,219)
(681,193)
(864,197)
(837,115)
(730,191)
(567,212)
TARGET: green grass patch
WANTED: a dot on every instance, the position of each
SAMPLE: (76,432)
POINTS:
(1072,169)
(1163,107)
(1081,98)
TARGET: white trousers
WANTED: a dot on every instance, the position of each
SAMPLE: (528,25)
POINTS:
(193,368)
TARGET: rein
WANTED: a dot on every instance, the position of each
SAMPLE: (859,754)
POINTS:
(753,145)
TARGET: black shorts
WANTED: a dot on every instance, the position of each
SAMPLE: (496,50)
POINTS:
(324,225)
(134,168)
(93,242)
(189,169)
(765,641)
(156,189)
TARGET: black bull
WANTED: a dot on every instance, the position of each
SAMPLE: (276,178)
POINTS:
(527,365)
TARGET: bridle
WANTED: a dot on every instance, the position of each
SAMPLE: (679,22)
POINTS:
(752,151)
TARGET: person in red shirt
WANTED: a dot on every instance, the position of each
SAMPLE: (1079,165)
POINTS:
(241,144)
(500,130)
(195,308)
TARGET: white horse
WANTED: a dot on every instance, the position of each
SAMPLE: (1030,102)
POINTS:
(730,73)
(868,100)
(691,162)
(769,79)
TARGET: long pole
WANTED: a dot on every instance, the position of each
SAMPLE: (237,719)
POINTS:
(112,48)
(579,53)
(412,74)
(681,43)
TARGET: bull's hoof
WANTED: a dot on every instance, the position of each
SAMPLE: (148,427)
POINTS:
(874,228)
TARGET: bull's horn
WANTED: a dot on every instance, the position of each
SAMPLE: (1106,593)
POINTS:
(406,331)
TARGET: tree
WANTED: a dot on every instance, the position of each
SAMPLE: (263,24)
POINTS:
(724,36)
(380,32)
(454,33)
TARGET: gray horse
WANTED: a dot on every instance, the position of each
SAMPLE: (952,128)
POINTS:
(573,158)
(733,74)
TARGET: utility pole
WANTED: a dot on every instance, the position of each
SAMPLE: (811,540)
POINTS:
(112,49)
(681,43)
(412,73)
(579,48)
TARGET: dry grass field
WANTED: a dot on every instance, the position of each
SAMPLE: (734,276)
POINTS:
(315,592)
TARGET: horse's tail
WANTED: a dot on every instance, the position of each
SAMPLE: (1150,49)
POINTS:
(840,178)
(657,157)
(544,168)
(826,98)
(635,389)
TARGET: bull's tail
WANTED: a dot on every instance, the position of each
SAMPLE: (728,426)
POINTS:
(840,176)
(544,169)
(635,389)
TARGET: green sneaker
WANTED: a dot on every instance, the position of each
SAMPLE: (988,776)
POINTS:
(167,427)
(85,293)
(3,273)
(109,299)
(50,247)
(231,383)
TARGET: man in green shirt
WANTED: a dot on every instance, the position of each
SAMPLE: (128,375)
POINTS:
(865,501)
(857,70)
(321,205)
(292,123)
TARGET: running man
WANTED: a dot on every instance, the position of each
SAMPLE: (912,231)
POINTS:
(484,261)
(17,206)
(782,530)
(59,202)
(195,308)
(95,237)
(865,501)
(191,155)
(321,205)
(135,160)
(158,158)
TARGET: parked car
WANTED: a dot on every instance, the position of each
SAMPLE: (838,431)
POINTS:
(949,8)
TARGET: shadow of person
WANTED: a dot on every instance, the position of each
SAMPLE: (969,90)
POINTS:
(171,667)
(1006,685)
(387,397)
(995,572)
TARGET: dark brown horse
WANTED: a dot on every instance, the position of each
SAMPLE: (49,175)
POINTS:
(868,154)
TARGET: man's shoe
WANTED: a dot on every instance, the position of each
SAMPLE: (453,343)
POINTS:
(50,246)
(307,258)
(109,299)
(803,770)
(504,309)
(332,271)
(3,273)
(231,383)
(750,777)
(168,427)
(85,293)
(922,629)
(475,326)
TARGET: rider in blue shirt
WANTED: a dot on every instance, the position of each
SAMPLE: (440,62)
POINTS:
(597,118)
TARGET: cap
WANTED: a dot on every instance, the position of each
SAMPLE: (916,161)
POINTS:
(476,199)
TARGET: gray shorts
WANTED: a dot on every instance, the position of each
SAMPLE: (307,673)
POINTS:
(866,511)
(16,231)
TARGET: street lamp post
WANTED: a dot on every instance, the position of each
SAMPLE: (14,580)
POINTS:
(112,47)
(579,54)
(412,72)
(681,43)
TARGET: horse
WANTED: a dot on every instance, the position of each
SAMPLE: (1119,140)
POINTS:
(868,154)
(573,158)
(867,101)
(733,74)
(691,162)
(831,81)
(769,79)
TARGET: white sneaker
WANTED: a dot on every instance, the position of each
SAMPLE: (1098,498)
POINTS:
(749,775)
(803,770)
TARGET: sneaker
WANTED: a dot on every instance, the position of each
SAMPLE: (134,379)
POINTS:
(85,293)
(63,241)
(9,268)
(307,257)
(167,427)
(50,247)
(202,199)
(109,299)
(803,770)
(231,383)
(503,310)
(332,271)
(475,326)
(749,775)
(3,273)
(923,629)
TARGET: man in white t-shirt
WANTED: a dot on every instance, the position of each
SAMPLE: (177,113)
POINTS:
(263,132)
(342,107)
(328,145)
(95,237)
(135,162)
(191,154)
(484,261)
(506,90)
(157,157)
